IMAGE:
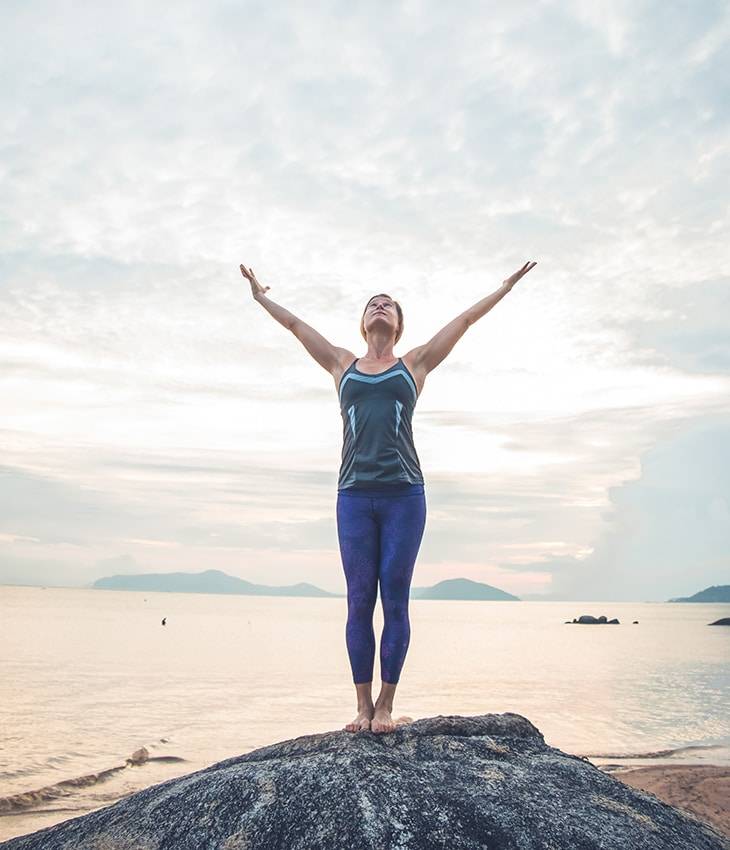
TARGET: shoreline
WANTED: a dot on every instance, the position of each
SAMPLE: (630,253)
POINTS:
(703,790)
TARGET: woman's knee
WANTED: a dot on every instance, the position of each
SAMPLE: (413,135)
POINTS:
(360,608)
(395,610)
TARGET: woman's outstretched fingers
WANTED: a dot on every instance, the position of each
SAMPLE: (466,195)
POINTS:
(512,279)
(256,287)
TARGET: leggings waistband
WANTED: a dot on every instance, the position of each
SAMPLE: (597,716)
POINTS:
(383,492)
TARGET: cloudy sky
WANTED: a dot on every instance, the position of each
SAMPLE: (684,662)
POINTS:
(575,443)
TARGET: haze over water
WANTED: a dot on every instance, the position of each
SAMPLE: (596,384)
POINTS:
(90,676)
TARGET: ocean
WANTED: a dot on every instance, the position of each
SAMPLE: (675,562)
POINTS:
(98,699)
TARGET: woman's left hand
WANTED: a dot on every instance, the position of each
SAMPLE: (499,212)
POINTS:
(513,278)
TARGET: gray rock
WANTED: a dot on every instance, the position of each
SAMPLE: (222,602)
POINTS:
(487,782)
(588,619)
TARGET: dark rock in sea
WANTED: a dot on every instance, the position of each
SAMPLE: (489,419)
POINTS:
(723,621)
(462,783)
(139,756)
(587,619)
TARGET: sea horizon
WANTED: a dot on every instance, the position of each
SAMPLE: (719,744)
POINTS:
(334,595)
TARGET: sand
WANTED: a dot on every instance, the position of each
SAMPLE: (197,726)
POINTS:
(703,789)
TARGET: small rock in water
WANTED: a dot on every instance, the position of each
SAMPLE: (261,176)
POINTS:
(139,756)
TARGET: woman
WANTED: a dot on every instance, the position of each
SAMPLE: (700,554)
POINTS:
(381,503)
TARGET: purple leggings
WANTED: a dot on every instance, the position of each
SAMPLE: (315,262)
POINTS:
(379,532)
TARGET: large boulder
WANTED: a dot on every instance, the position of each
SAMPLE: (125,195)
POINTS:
(487,782)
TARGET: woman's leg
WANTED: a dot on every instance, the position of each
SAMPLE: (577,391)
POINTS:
(359,541)
(402,523)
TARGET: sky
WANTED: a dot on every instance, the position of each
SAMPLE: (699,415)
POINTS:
(575,444)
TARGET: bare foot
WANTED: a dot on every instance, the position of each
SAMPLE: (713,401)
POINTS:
(382,721)
(362,721)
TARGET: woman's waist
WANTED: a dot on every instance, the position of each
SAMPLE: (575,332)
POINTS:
(381,490)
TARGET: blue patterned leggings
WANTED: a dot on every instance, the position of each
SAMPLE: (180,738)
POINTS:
(379,533)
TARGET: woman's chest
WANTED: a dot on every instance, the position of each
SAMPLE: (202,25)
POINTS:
(395,387)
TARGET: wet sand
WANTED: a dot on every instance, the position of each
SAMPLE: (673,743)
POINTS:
(703,789)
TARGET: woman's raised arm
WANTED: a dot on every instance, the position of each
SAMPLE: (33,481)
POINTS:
(427,357)
(327,355)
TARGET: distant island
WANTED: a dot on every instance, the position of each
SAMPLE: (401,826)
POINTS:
(462,588)
(209,581)
(215,581)
(716,593)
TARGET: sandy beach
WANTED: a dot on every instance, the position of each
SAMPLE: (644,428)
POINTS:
(703,790)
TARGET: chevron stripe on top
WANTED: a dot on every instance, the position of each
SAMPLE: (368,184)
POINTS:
(374,379)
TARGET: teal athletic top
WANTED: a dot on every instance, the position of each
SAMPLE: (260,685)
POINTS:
(377,445)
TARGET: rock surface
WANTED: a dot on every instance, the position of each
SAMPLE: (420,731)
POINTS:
(440,783)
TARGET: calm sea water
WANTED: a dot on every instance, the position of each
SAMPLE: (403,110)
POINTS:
(88,677)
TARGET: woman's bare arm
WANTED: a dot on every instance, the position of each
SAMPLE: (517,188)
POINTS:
(428,356)
(327,355)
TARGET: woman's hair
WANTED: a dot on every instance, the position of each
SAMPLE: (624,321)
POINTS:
(397,309)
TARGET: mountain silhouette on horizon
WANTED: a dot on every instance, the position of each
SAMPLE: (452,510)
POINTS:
(715,593)
(209,581)
(216,581)
(462,588)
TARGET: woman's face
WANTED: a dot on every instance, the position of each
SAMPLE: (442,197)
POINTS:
(381,313)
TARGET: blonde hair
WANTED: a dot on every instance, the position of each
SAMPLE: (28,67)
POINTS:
(398,310)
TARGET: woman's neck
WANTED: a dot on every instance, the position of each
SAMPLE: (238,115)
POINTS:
(379,349)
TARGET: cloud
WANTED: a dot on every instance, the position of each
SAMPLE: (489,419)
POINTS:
(692,333)
(668,532)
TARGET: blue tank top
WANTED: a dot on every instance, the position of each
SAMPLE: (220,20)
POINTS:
(377,439)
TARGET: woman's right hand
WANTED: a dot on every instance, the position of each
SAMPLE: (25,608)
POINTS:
(256,287)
